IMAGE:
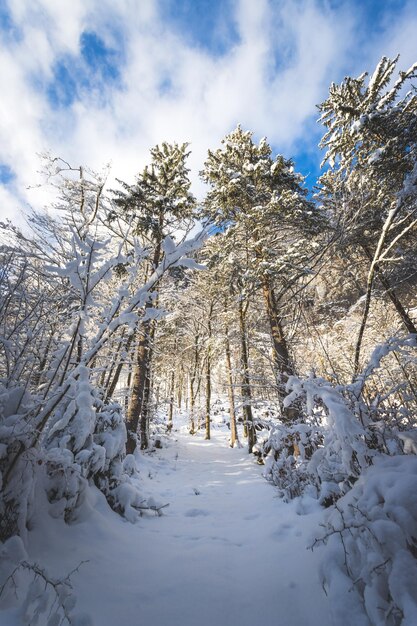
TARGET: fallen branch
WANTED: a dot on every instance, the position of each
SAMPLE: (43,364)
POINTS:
(152,507)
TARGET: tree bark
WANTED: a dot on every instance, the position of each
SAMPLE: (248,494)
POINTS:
(180,386)
(208,396)
(147,392)
(232,410)
(142,369)
(128,385)
(144,413)
(246,390)
(281,354)
(193,392)
(208,373)
(191,403)
(138,387)
(41,367)
(282,360)
(171,400)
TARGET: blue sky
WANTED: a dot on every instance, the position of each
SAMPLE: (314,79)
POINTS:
(203,23)
(98,81)
(94,67)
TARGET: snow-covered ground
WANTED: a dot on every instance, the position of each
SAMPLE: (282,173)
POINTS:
(225,552)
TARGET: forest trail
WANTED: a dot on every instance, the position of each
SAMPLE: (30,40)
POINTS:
(225,552)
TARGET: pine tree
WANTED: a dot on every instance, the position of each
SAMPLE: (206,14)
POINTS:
(158,204)
(370,188)
(260,202)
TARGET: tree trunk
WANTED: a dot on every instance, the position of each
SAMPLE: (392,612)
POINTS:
(41,367)
(246,390)
(191,403)
(282,359)
(171,400)
(129,381)
(193,392)
(208,372)
(180,386)
(138,387)
(232,410)
(208,396)
(141,370)
(147,392)
(145,413)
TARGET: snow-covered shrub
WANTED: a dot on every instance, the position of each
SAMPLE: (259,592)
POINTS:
(333,437)
(61,314)
(73,451)
(289,449)
(17,467)
(85,441)
(370,555)
(350,431)
(338,462)
(36,594)
(364,468)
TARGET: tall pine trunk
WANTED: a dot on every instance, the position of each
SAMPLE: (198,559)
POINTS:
(282,361)
(208,372)
(192,406)
(246,390)
(180,385)
(138,387)
(171,400)
(193,391)
(147,392)
(140,372)
(232,409)
(208,396)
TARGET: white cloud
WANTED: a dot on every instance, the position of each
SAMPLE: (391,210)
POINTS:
(269,80)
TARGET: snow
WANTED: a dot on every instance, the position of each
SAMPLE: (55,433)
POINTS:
(371,536)
(225,551)
(358,124)
(376,155)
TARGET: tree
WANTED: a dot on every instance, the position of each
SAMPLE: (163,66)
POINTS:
(58,429)
(260,203)
(371,143)
(158,204)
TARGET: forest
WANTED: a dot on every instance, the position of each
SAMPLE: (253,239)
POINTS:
(287,313)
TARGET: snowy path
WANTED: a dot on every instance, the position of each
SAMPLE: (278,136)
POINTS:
(226,552)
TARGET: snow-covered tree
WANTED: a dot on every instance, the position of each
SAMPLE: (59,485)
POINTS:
(59,430)
(370,187)
(158,204)
(261,203)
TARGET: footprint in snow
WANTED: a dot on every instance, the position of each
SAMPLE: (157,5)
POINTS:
(196,513)
(281,532)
